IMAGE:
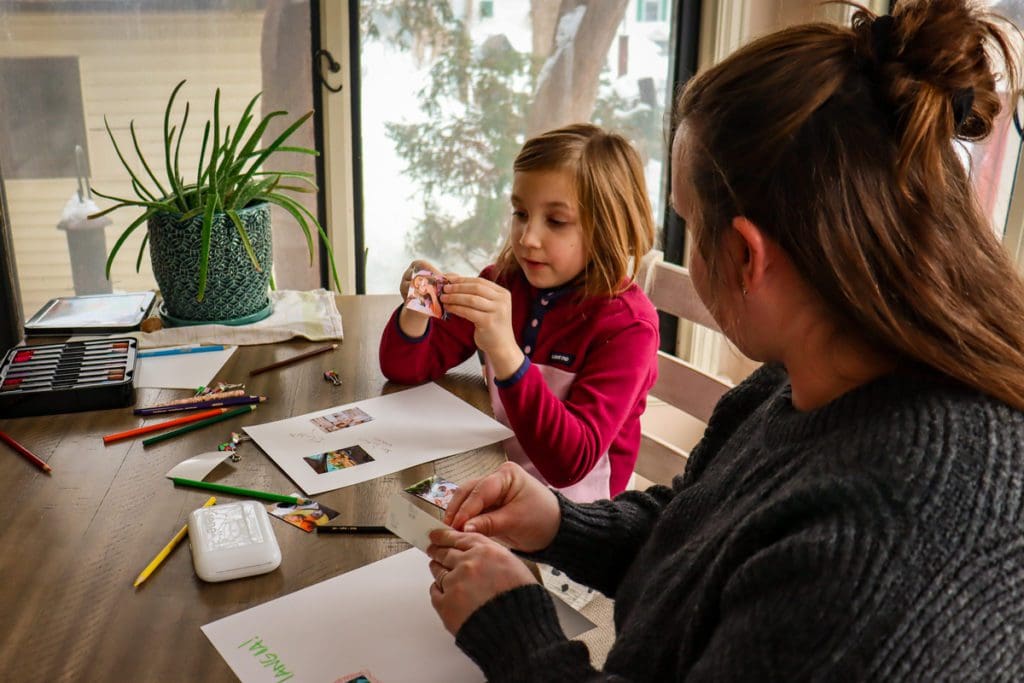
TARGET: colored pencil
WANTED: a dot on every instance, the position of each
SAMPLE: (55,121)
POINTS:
(235,490)
(162,555)
(196,405)
(36,377)
(59,374)
(77,350)
(177,352)
(192,399)
(198,425)
(65,362)
(26,453)
(352,529)
(68,349)
(156,427)
(287,361)
(62,382)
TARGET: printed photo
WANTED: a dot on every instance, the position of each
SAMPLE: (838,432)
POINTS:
(346,418)
(424,293)
(359,677)
(435,490)
(338,459)
(307,516)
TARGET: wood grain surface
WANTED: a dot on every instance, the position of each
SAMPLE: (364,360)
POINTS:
(72,543)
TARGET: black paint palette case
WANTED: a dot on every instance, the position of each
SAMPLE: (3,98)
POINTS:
(48,379)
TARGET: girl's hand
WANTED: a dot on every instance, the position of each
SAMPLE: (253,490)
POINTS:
(413,324)
(508,505)
(489,307)
(418,264)
(469,570)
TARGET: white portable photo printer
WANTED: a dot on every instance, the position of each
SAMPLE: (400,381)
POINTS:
(232,541)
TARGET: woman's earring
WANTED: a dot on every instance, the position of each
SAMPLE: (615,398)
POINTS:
(744,289)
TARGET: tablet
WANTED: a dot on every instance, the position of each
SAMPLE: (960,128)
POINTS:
(91,314)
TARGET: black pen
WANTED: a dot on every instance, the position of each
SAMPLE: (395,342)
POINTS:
(351,529)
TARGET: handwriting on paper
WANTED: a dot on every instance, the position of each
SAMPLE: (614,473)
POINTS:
(375,444)
(312,436)
(268,659)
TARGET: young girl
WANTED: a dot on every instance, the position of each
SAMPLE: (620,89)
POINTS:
(569,340)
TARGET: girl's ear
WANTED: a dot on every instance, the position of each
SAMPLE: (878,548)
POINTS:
(748,249)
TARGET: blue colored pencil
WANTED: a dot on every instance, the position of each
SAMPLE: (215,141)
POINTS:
(175,352)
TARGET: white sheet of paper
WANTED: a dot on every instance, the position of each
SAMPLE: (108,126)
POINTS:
(198,466)
(377,618)
(408,428)
(409,523)
(181,371)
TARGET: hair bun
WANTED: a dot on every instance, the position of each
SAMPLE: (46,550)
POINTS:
(931,62)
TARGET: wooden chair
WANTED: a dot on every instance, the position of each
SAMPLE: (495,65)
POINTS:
(680,384)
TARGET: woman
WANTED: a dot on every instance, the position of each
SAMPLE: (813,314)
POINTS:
(855,510)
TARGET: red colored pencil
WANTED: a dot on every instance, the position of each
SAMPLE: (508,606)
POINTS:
(26,453)
(109,438)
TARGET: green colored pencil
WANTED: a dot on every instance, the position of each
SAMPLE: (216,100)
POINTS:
(198,425)
(276,497)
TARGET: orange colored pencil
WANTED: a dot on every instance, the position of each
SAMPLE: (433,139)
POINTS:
(110,438)
(26,453)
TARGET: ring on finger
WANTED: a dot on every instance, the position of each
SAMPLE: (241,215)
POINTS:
(439,581)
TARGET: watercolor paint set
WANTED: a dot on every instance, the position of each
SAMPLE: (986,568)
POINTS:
(46,379)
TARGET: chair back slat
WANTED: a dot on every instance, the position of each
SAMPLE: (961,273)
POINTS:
(680,384)
(671,290)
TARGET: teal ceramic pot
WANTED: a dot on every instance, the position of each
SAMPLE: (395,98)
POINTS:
(236,293)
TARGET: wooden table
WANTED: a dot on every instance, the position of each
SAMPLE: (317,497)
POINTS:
(71,544)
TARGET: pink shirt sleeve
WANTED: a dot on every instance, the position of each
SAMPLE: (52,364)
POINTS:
(408,360)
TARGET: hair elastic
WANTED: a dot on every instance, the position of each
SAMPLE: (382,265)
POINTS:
(963,100)
(882,37)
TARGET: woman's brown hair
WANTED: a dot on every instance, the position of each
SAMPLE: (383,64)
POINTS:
(840,144)
(614,211)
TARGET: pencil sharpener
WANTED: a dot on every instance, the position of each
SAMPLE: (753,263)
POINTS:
(232,541)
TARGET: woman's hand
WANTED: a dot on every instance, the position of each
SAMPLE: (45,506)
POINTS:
(488,306)
(469,570)
(413,324)
(508,505)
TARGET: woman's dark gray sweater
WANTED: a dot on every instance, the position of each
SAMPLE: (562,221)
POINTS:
(880,537)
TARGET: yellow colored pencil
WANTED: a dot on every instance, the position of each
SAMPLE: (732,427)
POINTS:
(162,555)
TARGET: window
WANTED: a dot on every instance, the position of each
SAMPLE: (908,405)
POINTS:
(650,10)
(72,63)
(43,121)
(448,96)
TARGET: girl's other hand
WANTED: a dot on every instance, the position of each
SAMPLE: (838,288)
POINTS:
(488,306)
(508,505)
(418,264)
(469,570)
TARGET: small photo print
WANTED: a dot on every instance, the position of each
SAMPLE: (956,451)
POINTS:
(307,516)
(424,294)
(338,459)
(435,490)
(341,420)
(359,677)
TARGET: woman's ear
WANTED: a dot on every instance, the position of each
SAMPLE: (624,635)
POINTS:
(748,249)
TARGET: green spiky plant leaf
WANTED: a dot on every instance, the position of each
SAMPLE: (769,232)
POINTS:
(227,179)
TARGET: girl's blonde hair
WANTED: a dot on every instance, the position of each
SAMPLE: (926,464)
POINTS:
(614,211)
(840,144)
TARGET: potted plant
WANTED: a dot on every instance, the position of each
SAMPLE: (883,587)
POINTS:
(209,230)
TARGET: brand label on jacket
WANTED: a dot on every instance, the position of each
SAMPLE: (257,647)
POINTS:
(562,358)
